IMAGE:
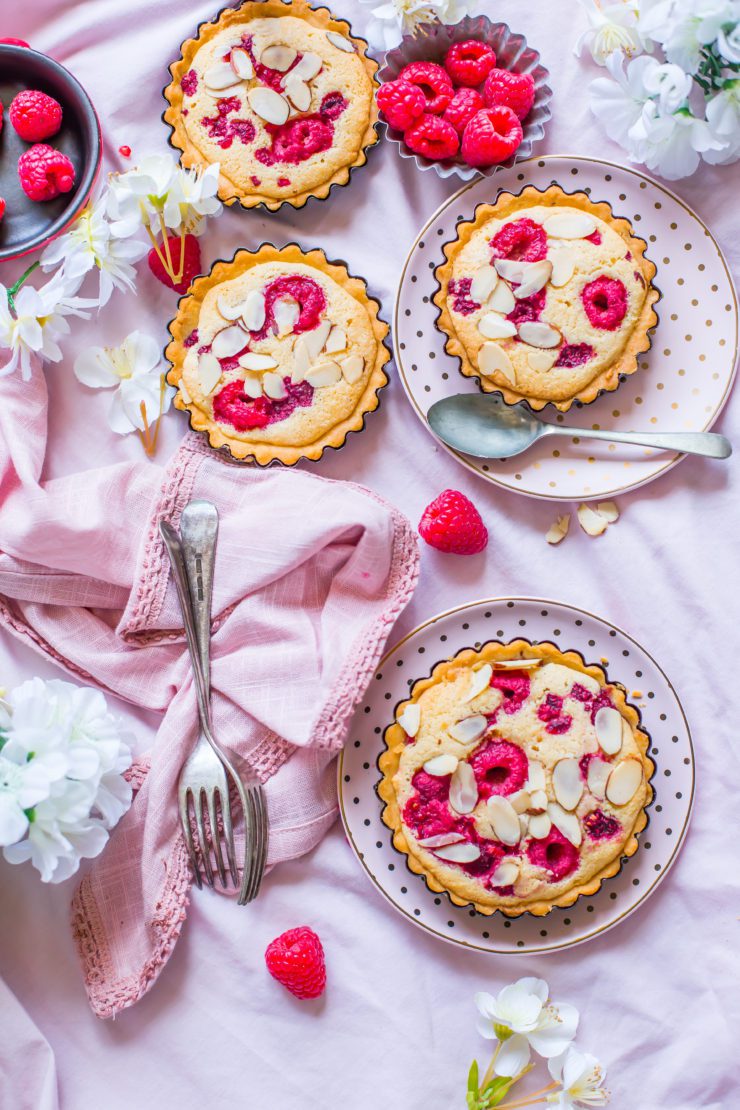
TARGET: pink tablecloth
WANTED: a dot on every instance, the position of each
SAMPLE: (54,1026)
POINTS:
(397,1027)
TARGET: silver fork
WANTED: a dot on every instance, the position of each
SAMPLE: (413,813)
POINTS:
(204,780)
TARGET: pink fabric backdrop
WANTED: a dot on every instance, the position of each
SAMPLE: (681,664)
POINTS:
(658,994)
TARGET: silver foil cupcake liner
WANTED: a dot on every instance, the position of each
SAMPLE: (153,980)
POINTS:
(430,43)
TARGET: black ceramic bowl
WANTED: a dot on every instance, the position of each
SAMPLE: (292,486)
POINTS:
(28,225)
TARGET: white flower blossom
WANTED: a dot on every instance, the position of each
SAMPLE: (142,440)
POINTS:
(671,145)
(22,786)
(613,29)
(728,43)
(158,194)
(392,19)
(32,329)
(617,101)
(89,245)
(134,370)
(520,1018)
(668,83)
(723,117)
(685,27)
(582,1078)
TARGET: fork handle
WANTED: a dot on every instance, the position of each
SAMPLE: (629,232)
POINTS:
(180,576)
(199,532)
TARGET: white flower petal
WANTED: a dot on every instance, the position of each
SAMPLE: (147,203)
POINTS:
(513,1056)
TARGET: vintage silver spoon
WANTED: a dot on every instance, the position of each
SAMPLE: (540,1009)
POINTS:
(481,424)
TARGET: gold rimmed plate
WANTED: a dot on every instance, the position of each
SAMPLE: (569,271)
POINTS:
(571,629)
(682,383)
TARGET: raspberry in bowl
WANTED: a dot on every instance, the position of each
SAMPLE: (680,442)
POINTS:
(452,67)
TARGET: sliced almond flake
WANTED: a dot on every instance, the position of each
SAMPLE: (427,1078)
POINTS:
(308,66)
(591,521)
(469,729)
(493,359)
(254,311)
(273,386)
(506,874)
(598,773)
(535,776)
(537,800)
(337,341)
(539,826)
(541,360)
(559,530)
(230,90)
(228,342)
(220,76)
(567,783)
(301,361)
(539,334)
(316,339)
(278,56)
(608,510)
(536,278)
(226,309)
(459,853)
(410,718)
(516,664)
(286,314)
(340,42)
(608,726)
(297,92)
(566,823)
(209,373)
(252,386)
(523,825)
(463,795)
(441,765)
(511,269)
(495,326)
(268,105)
(480,680)
(241,63)
(252,360)
(563,267)
(353,367)
(483,283)
(441,840)
(504,819)
(520,800)
(324,374)
(624,782)
(184,394)
(502,299)
(570,225)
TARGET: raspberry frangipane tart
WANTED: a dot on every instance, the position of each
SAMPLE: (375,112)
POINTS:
(515,778)
(280,95)
(277,354)
(546,297)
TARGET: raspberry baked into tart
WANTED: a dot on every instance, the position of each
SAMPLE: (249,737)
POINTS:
(546,297)
(280,95)
(277,354)
(515,778)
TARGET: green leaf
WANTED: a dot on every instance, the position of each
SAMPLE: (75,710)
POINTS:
(473,1077)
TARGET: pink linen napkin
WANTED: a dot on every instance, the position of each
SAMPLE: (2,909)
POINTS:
(310,576)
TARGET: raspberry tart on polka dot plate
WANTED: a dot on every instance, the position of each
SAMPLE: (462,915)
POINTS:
(280,95)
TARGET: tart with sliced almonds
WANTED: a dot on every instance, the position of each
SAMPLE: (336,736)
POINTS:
(280,95)
(546,297)
(516,778)
(277,354)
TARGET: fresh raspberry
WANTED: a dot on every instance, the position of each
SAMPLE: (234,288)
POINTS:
(401,103)
(605,302)
(2,207)
(34,115)
(555,854)
(45,172)
(433,137)
(510,90)
(452,523)
(491,136)
(191,262)
(463,106)
(433,82)
(575,354)
(499,768)
(124,151)
(469,63)
(296,959)
(521,240)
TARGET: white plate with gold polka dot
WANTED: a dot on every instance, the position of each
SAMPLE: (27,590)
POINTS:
(683,381)
(624,661)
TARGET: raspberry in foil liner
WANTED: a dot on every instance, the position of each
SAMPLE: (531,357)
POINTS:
(431,41)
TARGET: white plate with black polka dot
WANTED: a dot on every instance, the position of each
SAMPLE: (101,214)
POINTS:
(683,381)
(671,749)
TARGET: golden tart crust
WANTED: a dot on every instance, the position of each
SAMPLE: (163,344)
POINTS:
(242,178)
(527,373)
(442,702)
(336,409)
